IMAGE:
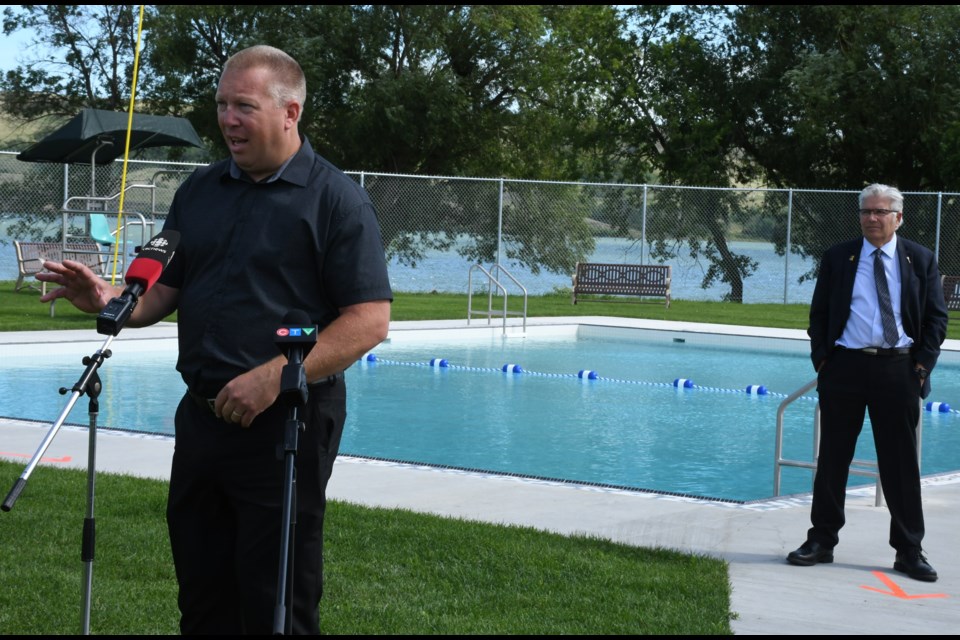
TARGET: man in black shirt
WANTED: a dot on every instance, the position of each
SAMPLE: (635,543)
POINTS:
(273,228)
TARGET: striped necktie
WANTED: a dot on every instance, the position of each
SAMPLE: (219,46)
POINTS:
(890,334)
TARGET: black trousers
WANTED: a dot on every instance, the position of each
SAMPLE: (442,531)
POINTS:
(225,509)
(850,384)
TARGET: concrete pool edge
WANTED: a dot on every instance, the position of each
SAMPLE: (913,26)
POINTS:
(168,330)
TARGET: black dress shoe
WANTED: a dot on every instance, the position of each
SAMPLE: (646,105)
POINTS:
(912,563)
(809,554)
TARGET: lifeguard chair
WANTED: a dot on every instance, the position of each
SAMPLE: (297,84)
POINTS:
(97,137)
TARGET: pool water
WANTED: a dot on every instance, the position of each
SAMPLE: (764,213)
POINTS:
(630,427)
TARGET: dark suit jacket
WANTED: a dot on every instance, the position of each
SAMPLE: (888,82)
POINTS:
(922,308)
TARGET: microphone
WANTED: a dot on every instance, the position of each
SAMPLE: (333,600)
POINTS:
(295,338)
(143,273)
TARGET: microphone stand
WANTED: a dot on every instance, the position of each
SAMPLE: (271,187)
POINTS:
(293,390)
(88,383)
(153,258)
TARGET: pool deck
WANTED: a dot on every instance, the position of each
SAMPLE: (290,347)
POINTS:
(858,594)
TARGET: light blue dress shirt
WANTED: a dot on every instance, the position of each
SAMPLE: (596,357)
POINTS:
(864,328)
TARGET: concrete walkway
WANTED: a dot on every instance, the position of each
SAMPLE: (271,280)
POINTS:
(858,594)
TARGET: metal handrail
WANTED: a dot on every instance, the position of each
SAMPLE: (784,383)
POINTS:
(780,461)
(492,282)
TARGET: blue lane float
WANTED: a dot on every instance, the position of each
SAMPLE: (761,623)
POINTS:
(588,374)
(938,407)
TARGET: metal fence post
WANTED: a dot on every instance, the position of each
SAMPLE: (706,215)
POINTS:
(643,225)
(786,254)
(66,182)
(500,223)
(936,244)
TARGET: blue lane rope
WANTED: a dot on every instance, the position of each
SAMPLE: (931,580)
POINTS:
(588,375)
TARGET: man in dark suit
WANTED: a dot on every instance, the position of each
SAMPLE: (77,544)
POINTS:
(877,320)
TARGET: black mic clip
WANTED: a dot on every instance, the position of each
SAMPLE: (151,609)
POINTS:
(115,314)
(295,338)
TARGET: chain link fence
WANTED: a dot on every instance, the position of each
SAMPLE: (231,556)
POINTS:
(749,245)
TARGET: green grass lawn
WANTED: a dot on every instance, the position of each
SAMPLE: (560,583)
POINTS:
(21,311)
(387,571)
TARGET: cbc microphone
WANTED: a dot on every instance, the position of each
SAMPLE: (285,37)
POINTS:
(295,338)
(143,273)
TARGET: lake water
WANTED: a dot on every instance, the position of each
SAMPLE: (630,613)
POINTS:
(445,271)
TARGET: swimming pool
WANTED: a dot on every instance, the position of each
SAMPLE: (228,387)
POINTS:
(629,427)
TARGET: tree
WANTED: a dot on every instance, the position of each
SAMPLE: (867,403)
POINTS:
(189,44)
(821,96)
(86,60)
(675,110)
(843,96)
(428,89)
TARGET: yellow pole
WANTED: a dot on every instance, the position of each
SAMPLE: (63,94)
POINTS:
(126,150)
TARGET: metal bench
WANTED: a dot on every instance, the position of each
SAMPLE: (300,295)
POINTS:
(594,278)
(951,292)
(32,255)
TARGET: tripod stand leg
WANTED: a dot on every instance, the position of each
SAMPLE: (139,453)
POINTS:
(88,545)
(283,610)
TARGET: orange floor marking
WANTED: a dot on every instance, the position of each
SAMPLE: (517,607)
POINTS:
(24,455)
(895,589)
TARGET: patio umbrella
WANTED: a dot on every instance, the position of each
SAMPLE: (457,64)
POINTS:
(75,142)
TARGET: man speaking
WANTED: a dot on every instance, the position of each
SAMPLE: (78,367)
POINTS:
(275,227)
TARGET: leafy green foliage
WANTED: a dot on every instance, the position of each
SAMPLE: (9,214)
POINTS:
(87,60)
(814,97)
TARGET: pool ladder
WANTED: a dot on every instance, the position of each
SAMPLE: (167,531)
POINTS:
(857,467)
(495,282)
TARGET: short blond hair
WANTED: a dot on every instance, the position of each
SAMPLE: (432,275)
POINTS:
(287,84)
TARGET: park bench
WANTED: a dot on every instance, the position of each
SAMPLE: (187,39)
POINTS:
(951,292)
(595,278)
(32,255)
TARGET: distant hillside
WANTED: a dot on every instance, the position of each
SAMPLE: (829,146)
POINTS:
(15,135)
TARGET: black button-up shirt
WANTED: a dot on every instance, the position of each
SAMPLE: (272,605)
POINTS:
(307,238)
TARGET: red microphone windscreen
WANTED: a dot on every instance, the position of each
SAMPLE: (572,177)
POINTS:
(153,259)
(144,271)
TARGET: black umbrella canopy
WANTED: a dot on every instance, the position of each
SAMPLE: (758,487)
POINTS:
(75,142)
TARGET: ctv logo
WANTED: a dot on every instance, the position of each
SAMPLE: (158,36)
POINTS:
(294,332)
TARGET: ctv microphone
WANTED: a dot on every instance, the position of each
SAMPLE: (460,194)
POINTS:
(295,338)
(142,274)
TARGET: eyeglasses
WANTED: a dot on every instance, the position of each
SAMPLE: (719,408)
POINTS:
(866,213)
